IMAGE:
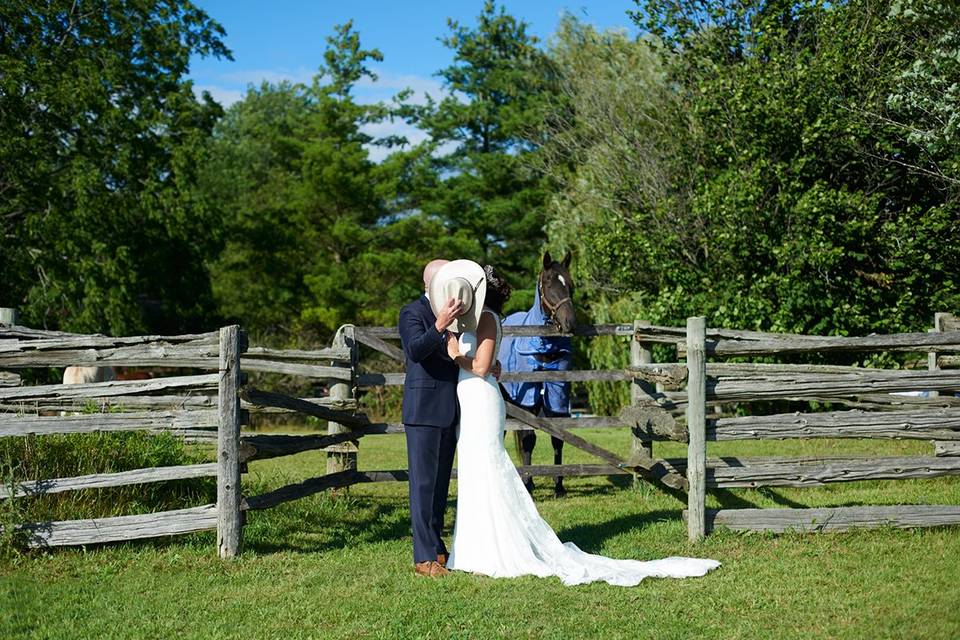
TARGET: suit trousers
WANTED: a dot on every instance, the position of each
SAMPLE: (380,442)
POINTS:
(429,460)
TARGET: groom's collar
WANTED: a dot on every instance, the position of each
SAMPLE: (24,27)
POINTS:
(425,301)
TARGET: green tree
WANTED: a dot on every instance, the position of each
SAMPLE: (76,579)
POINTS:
(99,137)
(924,101)
(476,179)
(252,176)
(317,235)
(615,157)
(797,199)
(818,210)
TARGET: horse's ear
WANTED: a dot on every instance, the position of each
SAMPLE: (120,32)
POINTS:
(566,260)
(547,260)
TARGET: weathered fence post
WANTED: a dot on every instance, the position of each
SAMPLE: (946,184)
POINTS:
(8,317)
(640,353)
(343,457)
(697,427)
(932,355)
(229,524)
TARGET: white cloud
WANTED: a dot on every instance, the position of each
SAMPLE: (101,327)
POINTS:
(413,135)
(386,128)
(223,95)
(397,127)
(229,88)
(388,84)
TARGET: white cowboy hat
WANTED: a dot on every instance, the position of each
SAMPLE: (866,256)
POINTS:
(464,280)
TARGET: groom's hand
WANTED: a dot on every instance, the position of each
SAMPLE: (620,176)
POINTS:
(497,370)
(448,313)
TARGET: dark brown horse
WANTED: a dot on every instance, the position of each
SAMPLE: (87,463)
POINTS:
(552,305)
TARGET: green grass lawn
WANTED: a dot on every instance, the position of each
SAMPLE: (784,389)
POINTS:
(340,567)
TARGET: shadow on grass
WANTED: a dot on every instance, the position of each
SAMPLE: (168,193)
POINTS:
(729,500)
(614,484)
(349,521)
(316,530)
(779,499)
(590,537)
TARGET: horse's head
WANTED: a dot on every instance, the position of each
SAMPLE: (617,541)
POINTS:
(556,293)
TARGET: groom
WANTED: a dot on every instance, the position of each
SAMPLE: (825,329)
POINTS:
(430,416)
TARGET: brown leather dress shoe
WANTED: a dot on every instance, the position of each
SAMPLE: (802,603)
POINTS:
(442,559)
(430,568)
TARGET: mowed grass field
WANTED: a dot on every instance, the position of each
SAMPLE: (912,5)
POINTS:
(340,566)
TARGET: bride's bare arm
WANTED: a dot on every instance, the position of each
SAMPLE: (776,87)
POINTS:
(482,363)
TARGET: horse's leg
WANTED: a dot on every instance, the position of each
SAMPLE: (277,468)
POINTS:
(528,440)
(558,489)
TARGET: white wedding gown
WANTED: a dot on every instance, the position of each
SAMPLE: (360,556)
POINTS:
(498,531)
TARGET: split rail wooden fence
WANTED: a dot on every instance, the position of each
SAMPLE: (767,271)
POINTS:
(874,409)
(202,407)
(677,402)
(670,401)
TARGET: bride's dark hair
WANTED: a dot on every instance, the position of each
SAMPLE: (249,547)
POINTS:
(498,291)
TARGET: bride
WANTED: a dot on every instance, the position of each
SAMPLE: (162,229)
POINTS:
(498,531)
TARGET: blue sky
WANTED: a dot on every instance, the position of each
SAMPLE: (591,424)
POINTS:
(285,39)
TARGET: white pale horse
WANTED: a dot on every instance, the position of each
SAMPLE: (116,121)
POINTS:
(83,375)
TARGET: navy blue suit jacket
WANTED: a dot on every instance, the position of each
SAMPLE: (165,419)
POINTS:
(430,387)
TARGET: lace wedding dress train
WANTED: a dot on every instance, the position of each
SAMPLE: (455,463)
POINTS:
(498,531)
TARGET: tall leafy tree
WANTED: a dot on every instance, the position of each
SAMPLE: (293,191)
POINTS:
(317,235)
(99,136)
(815,205)
(476,180)
(814,187)
(252,176)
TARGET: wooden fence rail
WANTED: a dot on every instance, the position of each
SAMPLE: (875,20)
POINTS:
(51,392)
(120,528)
(754,472)
(589,330)
(194,401)
(910,424)
(102,480)
(22,425)
(727,342)
(21,349)
(833,519)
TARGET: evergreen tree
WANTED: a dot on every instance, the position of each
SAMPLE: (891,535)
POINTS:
(316,234)
(477,180)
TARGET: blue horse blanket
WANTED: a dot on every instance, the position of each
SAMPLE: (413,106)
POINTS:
(518,354)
